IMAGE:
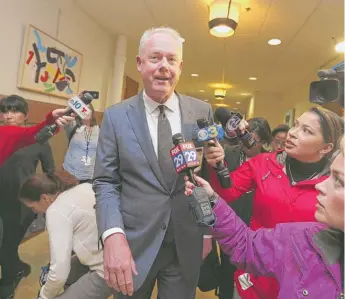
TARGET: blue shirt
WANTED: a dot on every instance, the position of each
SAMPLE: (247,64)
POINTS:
(78,161)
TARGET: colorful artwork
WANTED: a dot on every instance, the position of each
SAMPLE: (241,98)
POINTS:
(48,66)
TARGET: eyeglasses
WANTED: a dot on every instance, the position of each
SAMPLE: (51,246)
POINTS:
(279,143)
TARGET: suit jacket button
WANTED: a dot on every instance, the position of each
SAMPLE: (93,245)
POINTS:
(163,226)
(305,293)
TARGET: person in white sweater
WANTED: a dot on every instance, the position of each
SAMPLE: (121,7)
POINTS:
(71,226)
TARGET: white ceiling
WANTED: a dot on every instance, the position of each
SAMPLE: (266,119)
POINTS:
(306,28)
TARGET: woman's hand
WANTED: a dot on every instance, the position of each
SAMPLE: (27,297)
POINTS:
(61,119)
(201,183)
(213,153)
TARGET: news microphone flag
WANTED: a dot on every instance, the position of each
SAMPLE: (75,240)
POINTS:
(79,107)
(184,156)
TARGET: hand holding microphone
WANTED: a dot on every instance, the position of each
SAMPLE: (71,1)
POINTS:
(185,159)
(76,106)
(208,135)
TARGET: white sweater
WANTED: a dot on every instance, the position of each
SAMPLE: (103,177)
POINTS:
(71,225)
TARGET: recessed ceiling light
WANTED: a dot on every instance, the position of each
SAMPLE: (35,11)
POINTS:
(274,42)
(253,78)
(194,75)
(340,47)
(205,100)
(238,103)
(235,108)
(245,94)
(201,90)
(221,105)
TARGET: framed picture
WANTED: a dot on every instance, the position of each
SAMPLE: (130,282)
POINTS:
(290,117)
(48,66)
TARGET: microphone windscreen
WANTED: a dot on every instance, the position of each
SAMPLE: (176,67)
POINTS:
(177,138)
(202,123)
(87,98)
(222,115)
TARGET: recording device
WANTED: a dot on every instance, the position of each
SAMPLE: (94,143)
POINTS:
(185,159)
(205,134)
(330,88)
(230,122)
(76,105)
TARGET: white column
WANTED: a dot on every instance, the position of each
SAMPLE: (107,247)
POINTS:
(116,83)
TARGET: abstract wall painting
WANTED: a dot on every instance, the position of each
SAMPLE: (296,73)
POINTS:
(48,66)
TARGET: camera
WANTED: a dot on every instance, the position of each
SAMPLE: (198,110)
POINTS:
(330,87)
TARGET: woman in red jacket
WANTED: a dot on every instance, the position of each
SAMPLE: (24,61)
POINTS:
(284,184)
(12,138)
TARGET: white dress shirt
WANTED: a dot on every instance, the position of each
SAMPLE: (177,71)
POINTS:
(173,113)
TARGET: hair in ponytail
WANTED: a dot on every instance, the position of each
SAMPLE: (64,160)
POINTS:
(45,183)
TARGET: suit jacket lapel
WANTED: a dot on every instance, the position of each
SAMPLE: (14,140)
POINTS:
(137,117)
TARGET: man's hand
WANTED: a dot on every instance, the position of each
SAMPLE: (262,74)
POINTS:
(61,119)
(119,265)
(214,154)
(207,247)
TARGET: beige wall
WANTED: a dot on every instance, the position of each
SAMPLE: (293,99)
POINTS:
(274,106)
(65,22)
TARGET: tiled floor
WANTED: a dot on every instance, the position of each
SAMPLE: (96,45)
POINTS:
(36,252)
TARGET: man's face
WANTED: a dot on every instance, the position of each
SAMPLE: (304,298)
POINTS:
(160,65)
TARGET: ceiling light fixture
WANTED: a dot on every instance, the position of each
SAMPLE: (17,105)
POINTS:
(253,78)
(219,93)
(194,75)
(245,94)
(340,47)
(238,103)
(223,17)
(201,90)
(221,105)
(274,42)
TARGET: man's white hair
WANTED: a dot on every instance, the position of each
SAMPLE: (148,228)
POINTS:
(165,30)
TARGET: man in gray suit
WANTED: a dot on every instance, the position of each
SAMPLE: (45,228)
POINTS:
(142,212)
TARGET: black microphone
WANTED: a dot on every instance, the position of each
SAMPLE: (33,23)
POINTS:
(185,159)
(209,132)
(77,105)
(230,122)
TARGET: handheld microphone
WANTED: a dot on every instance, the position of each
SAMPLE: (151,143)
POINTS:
(230,122)
(76,105)
(185,159)
(205,134)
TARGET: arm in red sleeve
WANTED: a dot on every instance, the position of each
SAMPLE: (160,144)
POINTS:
(242,181)
(13,138)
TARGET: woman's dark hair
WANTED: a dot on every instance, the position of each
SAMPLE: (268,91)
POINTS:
(14,103)
(280,128)
(261,127)
(332,126)
(93,121)
(45,183)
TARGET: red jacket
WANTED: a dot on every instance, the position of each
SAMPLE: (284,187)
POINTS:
(12,138)
(275,201)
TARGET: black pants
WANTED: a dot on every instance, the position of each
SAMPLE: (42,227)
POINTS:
(14,228)
(226,283)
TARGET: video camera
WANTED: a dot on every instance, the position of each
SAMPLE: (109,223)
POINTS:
(330,87)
